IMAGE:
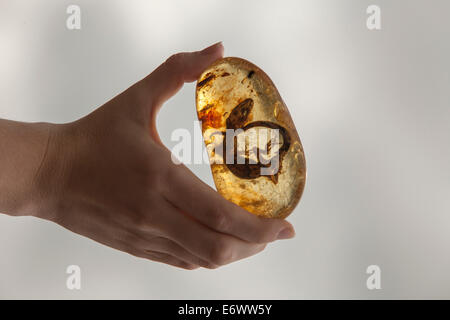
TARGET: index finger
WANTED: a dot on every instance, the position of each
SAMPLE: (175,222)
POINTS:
(169,77)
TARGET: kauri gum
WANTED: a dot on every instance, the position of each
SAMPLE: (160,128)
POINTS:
(234,95)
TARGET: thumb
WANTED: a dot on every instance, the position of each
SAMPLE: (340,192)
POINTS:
(166,80)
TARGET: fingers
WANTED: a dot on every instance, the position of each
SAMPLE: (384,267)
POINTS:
(169,77)
(160,244)
(215,248)
(159,250)
(204,204)
(167,259)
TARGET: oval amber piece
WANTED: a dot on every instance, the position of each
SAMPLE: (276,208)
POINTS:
(256,156)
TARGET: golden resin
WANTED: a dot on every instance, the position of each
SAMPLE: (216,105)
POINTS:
(235,94)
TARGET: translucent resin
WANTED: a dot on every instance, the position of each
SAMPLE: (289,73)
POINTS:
(256,156)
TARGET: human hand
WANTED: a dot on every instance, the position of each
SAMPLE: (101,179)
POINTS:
(108,177)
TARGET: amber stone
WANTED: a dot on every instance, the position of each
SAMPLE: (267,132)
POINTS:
(238,105)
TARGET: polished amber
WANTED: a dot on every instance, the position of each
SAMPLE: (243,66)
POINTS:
(234,94)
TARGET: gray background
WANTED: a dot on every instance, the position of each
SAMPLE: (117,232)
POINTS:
(372,109)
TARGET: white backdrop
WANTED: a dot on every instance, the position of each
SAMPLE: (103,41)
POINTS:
(372,109)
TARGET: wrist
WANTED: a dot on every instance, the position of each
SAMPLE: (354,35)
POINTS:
(43,197)
(48,183)
(29,168)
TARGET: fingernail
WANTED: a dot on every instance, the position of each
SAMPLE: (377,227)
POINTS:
(286,233)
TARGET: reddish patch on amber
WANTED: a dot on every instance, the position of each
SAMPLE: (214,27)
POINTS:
(210,117)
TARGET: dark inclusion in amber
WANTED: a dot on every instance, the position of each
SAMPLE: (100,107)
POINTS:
(234,95)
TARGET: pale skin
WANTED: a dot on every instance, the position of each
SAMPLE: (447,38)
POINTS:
(108,177)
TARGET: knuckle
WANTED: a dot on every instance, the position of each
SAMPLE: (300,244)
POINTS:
(211,266)
(220,220)
(257,249)
(188,266)
(205,264)
(260,247)
(141,220)
(221,252)
(265,231)
(262,237)
(176,59)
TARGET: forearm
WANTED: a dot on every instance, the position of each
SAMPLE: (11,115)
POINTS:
(22,152)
